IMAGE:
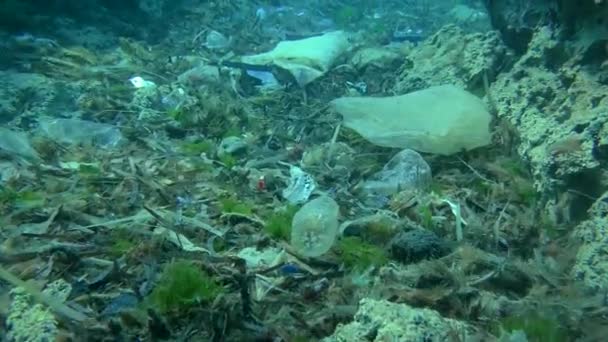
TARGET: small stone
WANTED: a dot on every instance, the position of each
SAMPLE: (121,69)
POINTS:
(416,245)
(232,145)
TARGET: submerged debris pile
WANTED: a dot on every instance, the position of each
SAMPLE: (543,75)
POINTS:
(242,182)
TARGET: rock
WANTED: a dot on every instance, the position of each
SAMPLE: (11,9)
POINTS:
(517,21)
(29,94)
(558,110)
(380,58)
(416,245)
(591,265)
(471,18)
(30,321)
(338,156)
(451,56)
(232,145)
(380,320)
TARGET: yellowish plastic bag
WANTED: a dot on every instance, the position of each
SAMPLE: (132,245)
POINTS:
(442,119)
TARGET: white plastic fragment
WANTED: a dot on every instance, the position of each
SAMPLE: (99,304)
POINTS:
(256,259)
(139,82)
(455,207)
(301,185)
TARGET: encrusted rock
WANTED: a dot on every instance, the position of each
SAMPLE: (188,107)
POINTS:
(453,57)
(28,321)
(379,320)
(558,109)
(591,265)
(416,245)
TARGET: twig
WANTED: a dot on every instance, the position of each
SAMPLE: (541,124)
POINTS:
(475,171)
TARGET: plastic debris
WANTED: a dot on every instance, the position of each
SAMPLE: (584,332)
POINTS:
(407,170)
(442,119)
(139,82)
(179,240)
(174,100)
(256,259)
(455,207)
(216,40)
(121,303)
(265,77)
(290,270)
(306,59)
(75,131)
(301,185)
(17,143)
(413,35)
(315,226)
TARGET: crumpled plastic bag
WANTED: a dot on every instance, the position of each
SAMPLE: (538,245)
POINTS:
(76,131)
(306,59)
(17,143)
(442,119)
(407,170)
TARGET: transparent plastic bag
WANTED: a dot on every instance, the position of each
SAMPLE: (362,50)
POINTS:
(407,170)
(17,143)
(75,131)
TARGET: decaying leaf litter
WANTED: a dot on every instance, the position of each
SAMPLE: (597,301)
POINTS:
(173,222)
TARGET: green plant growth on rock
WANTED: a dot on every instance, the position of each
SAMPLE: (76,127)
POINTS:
(228,160)
(196,148)
(360,255)
(232,205)
(347,15)
(379,232)
(425,214)
(536,327)
(278,226)
(181,286)
(525,191)
(122,242)
(232,131)
(25,199)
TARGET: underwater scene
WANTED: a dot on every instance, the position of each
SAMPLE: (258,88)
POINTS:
(293,171)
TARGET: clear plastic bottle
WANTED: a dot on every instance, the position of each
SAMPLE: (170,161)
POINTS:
(315,226)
